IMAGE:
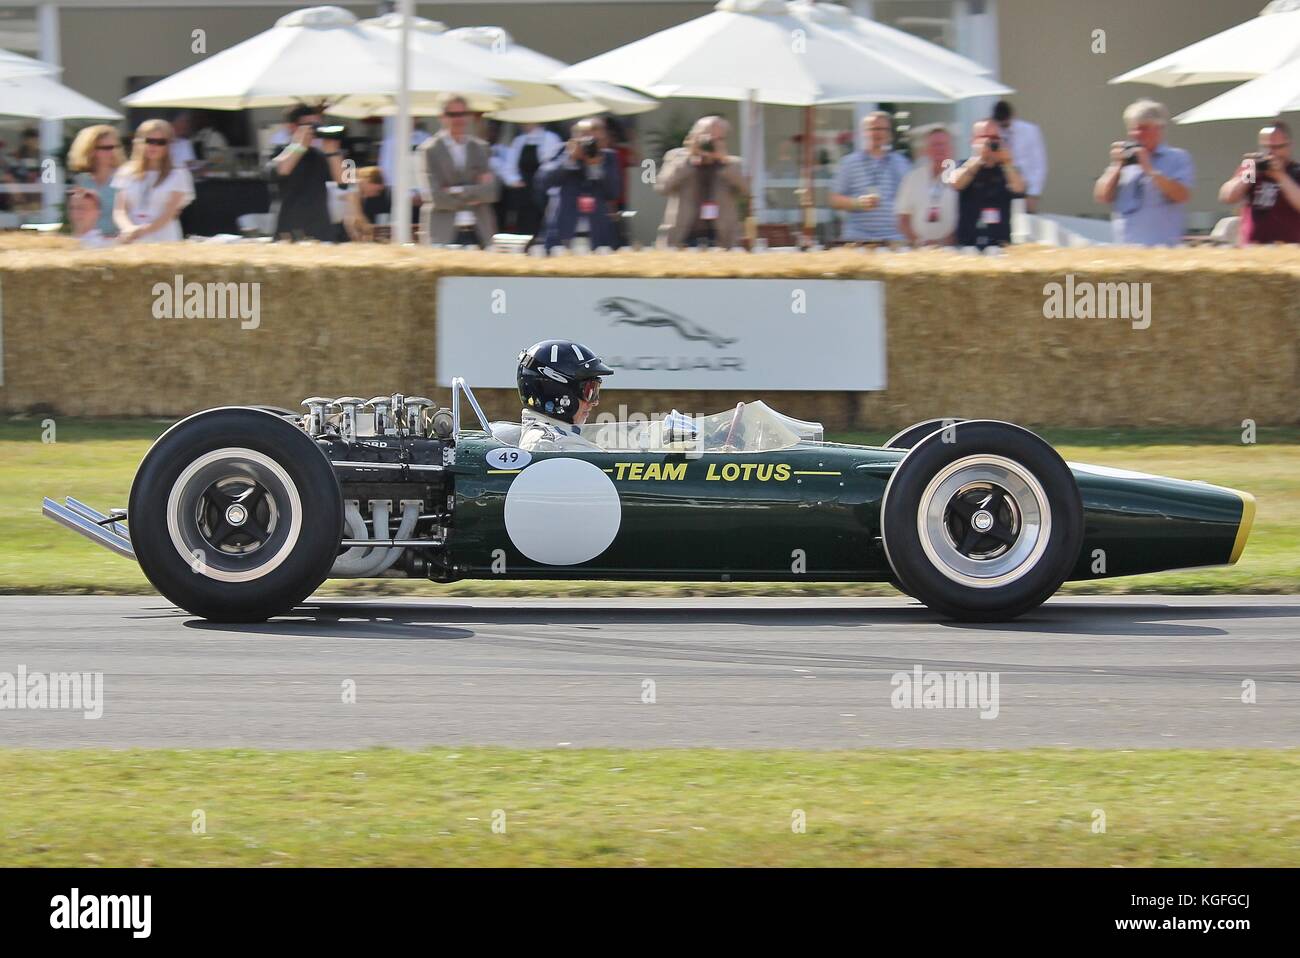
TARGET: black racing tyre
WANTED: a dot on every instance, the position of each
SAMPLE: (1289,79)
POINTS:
(983,528)
(235,515)
(910,436)
(276,410)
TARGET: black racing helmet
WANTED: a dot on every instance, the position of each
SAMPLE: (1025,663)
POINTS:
(556,373)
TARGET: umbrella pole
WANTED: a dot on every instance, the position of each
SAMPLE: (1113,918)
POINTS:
(754,158)
(401,208)
(806,200)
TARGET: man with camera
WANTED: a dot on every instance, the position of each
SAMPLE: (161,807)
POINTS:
(866,183)
(1148,182)
(704,185)
(986,184)
(1267,185)
(582,183)
(457,185)
(301,171)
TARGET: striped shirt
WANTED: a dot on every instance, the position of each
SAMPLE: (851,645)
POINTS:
(860,172)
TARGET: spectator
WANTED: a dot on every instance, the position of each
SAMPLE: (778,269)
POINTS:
(1267,184)
(456,182)
(83,218)
(531,150)
(704,185)
(926,202)
(151,192)
(616,139)
(1026,142)
(386,156)
(94,157)
(866,184)
(582,183)
(182,149)
(27,168)
(302,170)
(1148,182)
(370,200)
(211,145)
(29,148)
(986,184)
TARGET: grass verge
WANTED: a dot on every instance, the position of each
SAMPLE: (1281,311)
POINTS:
(95,460)
(649,808)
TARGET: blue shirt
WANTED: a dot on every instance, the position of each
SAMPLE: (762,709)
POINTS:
(1141,214)
(860,172)
(107,196)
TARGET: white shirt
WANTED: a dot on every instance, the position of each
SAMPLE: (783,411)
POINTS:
(457,149)
(146,199)
(1029,153)
(929,201)
(541,433)
(182,152)
(548,146)
(386,164)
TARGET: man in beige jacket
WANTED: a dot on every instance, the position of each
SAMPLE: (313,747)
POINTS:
(704,185)
(456,184)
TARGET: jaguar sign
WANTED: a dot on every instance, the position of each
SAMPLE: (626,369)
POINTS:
(671,334)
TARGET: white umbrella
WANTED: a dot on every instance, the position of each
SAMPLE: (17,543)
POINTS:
(760,50)
(771,52)
(17,65)
(1246,51)
(318,53)
(491,52)
(41,97)
(431,47)
(1267,96)
(519,64)
(955,76)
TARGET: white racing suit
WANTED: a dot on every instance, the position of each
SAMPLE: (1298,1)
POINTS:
(540,433)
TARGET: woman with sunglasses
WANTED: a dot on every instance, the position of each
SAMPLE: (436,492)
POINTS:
(151,192)
(95,156)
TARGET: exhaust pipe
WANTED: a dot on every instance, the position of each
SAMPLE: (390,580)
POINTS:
(84,520)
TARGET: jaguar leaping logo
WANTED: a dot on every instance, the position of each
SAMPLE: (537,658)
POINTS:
(637,312)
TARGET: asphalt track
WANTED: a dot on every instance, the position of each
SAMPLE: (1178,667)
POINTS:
(1116,672)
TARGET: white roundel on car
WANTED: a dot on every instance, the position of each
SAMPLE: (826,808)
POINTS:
(562,511)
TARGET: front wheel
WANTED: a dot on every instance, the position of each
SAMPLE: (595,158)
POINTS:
(983,527)
(236,515)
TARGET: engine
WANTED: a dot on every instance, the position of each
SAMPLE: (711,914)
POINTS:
(392,456)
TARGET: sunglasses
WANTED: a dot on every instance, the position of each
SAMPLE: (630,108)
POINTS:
(111,146)
(455,113)
(156,141)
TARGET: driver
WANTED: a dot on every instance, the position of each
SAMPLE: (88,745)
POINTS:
(559,384)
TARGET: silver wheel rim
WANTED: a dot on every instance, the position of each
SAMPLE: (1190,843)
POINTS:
(984,521)
(219,467)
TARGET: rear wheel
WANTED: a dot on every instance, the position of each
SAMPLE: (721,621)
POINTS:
(236,515)
(985,527)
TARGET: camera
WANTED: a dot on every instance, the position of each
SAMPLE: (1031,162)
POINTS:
(705,143)
(1263,161)
(335,132)
(995,144)
(590,148)
(1131,148)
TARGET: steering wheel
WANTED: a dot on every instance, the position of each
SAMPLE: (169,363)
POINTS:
(731,430)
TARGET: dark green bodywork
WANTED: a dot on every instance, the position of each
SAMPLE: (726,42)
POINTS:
(827,508)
